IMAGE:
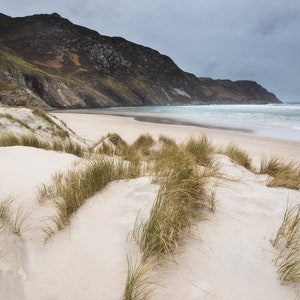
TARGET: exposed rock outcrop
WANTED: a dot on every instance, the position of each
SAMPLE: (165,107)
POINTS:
(47,61)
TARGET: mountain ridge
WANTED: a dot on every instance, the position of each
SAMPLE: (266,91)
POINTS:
(47,61)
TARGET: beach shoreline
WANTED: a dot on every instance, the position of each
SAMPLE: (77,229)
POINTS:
(93,126)
(157,119)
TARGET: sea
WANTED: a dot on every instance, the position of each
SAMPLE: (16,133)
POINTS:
(271,120)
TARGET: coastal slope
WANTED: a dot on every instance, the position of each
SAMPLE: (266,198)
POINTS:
(47,61)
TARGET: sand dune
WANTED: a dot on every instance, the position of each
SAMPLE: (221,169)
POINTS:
(227,255)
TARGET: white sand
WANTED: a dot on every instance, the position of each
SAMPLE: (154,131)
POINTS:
(227,256)
(92,127)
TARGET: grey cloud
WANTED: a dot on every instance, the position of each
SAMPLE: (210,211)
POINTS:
(278,20)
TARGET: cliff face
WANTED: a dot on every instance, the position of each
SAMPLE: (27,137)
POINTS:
(47,61)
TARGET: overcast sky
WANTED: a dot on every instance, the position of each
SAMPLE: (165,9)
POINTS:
(233,39)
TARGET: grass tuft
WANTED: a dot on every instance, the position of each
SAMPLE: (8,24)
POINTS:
(109,144)
(138,285)
(283,173)
(201,149)
(288,241)
(14,220)
(31,140)
(166,140)
(70,190)
(143,146)
(180,195)
(5,210)
(238,155)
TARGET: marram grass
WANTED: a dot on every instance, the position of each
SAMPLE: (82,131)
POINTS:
(180,195)
(139,284)
(14,219)
(283,173)
(238,155)
(166,140)
(180,199)
(71,189)
(287,240)
(30,140)
(201,149)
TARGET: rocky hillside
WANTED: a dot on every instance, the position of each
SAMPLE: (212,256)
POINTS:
(47,61)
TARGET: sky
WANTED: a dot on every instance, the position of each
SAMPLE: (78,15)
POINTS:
(234,39)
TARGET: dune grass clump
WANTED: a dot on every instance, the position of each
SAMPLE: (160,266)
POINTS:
(166,140)
(143,146)
(238,155)
(180,195)
(166,160)
(201,149)
(9,139)
(30,140)
(69,146)
(138,153)
(287,240)
(109,144)
(14,220)
(283,173)
(179,199)
(70,190)
(138,284)
(5,210)
(116,139)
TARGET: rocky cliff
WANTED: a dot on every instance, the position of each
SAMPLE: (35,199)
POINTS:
(47,61)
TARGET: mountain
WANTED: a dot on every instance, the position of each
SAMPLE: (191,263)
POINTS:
(47,61)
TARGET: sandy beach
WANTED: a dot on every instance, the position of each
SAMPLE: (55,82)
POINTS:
(227,255)
(92,127)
